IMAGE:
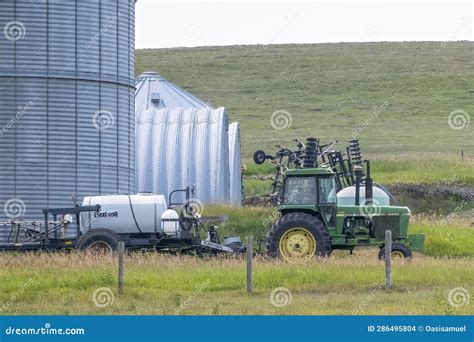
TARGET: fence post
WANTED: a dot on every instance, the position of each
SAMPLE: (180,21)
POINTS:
(249,264)
(388,258)
(121,266)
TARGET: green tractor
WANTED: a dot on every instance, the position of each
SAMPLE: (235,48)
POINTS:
(315,216)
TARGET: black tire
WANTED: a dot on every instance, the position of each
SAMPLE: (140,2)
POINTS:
(397,248)
(259,157)
(297,220)
(100,237)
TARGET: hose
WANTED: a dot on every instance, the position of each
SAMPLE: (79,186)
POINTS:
(133,214)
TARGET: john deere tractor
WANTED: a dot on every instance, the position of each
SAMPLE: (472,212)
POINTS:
(318,191)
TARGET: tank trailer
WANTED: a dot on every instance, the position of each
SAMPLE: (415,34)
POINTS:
(142,221)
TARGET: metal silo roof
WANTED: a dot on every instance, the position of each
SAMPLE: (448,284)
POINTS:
(155,91)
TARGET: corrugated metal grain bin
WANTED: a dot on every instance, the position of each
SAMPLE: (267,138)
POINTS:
(183,147)
(182,141)
(235,165)
(66,102)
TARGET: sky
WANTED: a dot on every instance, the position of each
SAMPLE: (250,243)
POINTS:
(165,24)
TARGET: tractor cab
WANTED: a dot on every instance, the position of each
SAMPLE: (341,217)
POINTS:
(312,190)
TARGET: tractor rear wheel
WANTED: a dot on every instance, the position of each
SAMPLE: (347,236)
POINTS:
(99,241)
(298,237)
(398,251)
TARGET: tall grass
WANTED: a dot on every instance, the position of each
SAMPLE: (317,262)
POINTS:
(61,283)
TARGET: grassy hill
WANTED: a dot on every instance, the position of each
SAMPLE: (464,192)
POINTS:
(395,97)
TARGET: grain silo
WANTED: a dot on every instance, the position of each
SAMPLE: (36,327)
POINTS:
(182,141)
(66,102)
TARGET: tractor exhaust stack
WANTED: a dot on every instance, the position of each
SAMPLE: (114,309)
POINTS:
(368,185)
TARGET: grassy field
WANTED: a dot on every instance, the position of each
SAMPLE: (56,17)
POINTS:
(65,283)
(168,285)
(395,97)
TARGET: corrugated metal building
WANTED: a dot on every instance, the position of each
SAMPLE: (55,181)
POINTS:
(66,102)
(183,141)
(235,165)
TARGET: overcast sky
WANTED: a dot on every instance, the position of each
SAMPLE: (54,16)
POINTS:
(161,24)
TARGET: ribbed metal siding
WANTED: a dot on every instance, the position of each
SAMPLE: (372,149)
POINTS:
(182,147)
(235,167)
(76,58)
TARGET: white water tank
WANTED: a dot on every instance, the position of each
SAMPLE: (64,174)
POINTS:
(125,214)
(170,223)
(346,196)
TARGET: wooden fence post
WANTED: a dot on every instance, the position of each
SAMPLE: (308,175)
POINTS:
(388,258)
(249,264)
(121,266)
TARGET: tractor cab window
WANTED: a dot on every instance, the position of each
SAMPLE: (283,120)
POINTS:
(327,190)
(300,190)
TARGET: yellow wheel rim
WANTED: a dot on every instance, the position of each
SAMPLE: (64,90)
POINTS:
(297,244)
(397,255)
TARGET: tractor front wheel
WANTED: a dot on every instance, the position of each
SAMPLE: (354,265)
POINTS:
(398,251)
(298,237)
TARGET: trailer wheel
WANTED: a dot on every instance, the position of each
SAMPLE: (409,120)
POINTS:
(98,241)
(398,251)
(298,237)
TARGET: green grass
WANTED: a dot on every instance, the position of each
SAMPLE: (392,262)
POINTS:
(436,170)
(331,90)
(155,284)
(451,239)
